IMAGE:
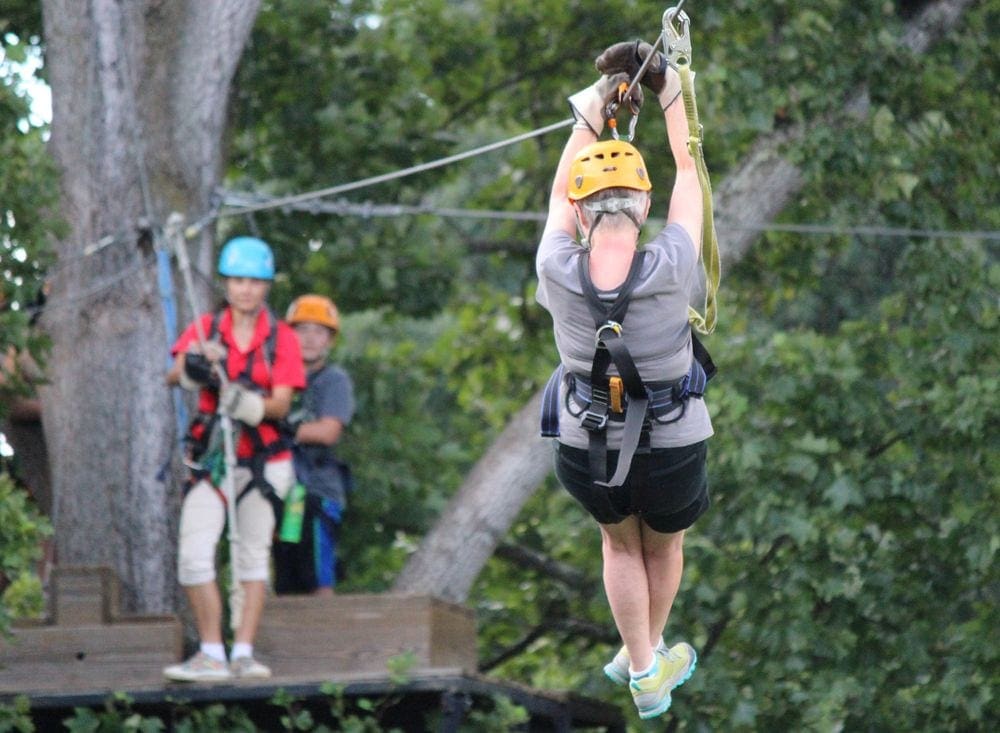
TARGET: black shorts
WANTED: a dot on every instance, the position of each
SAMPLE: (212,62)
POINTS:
(675,495)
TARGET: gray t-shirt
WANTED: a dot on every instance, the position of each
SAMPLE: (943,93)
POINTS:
(656,328)
(329,393)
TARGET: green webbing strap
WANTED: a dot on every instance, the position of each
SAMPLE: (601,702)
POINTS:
(677,47)
(709,243)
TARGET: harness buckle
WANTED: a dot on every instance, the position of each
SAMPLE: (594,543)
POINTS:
(615,388)
(596,419)
(612,326)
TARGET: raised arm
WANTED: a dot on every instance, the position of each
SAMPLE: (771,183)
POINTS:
(685,199)
(588,109)
(561,215)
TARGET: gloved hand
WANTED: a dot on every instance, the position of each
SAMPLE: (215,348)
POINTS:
(213,350)
(627,57)
(295,418)
(241,404)
(197,373)
(588,104)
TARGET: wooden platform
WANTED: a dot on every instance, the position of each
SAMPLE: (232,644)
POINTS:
(446,696)
(87,650)
(361,634)
(87,643)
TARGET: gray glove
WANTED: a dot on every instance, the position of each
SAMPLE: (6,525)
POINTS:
(588,104)
(627,57)
(241,404)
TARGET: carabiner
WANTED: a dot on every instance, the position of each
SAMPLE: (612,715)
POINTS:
(613,326)
(611,112)
(677,43)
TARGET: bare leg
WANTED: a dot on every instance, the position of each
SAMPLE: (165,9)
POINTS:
(254,592)
(627,588)
(663,555)
(206,603)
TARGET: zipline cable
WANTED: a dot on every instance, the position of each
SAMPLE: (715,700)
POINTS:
(370,210)
(365,182)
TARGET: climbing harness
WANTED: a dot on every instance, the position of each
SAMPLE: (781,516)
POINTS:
(200,458)
(601,398)
(598,398)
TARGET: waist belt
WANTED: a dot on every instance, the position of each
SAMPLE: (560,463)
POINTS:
(665,398)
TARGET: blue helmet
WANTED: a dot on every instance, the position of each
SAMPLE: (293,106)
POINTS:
(247,257)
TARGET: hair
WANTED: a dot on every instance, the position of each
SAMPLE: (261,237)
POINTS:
(616,206)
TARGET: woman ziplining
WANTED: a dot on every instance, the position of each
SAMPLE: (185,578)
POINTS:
(626,402)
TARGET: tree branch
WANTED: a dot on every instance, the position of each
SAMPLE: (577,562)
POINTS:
(534,560)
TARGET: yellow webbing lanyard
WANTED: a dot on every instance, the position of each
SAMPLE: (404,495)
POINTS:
(709,243)
(677,48)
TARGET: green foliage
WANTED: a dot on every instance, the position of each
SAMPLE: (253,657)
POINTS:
(845,578)
(28,191)
(22,529)
(16,716)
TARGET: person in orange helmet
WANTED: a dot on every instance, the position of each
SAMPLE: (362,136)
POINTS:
(318,419)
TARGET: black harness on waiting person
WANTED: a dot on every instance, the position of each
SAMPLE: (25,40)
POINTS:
(623,397)
(201,436)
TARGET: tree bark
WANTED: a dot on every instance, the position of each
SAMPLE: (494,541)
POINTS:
(481,512)
(139,93)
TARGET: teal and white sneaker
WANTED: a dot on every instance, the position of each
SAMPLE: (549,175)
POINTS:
(617,668)
(673,668)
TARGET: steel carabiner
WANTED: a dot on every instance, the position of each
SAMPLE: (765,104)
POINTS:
(611,111)
(677,43)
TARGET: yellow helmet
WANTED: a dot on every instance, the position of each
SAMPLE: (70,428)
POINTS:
(607,164)
(314,309)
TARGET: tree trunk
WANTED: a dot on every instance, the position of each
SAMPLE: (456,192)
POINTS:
(139,93)
(480,514)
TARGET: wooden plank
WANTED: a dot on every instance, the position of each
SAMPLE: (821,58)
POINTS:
(84,595)
(89,657)
(361,633)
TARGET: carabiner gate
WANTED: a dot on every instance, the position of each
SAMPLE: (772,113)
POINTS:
(611,112)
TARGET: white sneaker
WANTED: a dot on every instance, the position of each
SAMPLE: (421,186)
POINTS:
(248,668)
(199,668)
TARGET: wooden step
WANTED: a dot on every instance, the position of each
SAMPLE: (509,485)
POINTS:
(104,656)
(84,595)
(360,633)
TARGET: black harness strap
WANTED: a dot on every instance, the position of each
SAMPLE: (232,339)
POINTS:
(261,452)
(610,348)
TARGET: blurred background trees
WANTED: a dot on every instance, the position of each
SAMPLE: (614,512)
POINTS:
(846,575)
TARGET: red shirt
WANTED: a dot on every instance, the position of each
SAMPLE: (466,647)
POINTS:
(287,369)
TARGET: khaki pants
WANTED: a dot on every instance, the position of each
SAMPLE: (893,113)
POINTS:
(203,518)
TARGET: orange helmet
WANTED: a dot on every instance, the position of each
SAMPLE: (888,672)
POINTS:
(314,309)
(607,164)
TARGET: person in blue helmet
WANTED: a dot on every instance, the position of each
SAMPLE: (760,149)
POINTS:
(263,367)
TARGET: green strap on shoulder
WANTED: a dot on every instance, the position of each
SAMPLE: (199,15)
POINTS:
(709,243)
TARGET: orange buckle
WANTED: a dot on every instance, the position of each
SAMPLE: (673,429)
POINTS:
(615,388)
